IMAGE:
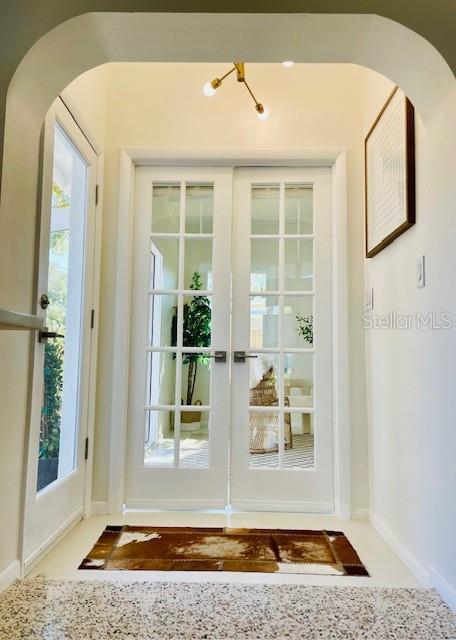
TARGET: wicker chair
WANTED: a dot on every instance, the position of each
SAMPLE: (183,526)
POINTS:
(264,425)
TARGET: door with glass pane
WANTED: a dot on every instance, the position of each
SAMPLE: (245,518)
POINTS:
(56,466)
(281,438)
(179,401)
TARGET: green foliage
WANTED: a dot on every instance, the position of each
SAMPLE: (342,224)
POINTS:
(196,332)
(60,200)
(305,328)
(52,400)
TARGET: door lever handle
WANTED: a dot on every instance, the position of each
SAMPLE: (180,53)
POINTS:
(219,356)
(44,335)
(240,356)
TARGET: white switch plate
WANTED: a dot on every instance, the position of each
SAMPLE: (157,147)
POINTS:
(369,302)
(420,273)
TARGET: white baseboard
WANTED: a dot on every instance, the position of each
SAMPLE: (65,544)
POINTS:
(8,575)
(446,590)
(174,505)
(99,508)
(360,514)
(52,540)
(284,506)
(410,561)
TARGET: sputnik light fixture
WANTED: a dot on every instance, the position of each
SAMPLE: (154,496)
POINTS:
(210,88)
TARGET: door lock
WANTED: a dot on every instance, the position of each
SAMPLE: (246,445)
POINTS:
(44,335)
(44,301)
(240,356)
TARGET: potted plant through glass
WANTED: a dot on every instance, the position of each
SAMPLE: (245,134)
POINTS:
(196,333)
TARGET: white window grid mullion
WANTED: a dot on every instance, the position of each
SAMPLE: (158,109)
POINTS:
(175,349)
(285,293)
(274,236)
(170,407)
(281,328)
(187,292)
(167,234)
(180,324)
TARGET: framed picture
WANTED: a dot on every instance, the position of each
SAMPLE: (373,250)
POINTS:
(389,155)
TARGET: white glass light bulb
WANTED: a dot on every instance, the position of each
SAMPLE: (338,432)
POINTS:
(209,90)
(288,64)
(264,115)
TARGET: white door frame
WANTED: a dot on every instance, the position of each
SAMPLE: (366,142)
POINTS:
(334,158)
(60,113)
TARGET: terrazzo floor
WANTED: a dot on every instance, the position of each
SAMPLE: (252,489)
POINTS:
(39,609)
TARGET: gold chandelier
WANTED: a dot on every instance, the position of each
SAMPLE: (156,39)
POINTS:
(210,88)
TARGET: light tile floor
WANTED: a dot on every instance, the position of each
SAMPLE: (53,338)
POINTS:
(385,568)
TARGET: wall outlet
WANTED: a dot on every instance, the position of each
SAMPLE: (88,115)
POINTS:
(369,302)
(420,273)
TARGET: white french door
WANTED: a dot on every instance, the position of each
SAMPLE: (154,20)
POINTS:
(61,360)
(281,435)
(179,403)
(234,262)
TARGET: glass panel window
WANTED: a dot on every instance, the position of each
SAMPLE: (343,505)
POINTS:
(196,379)
(198,264)
(161,378)
(298,322)
(264,265)
(264,322)
(194,439)
(159,438)
(264,379)
(162,319)
(59,412)
(199,204)
(265,210)
(298,209)
(164,263)
(197,321)
(264,439)
(301,455)
(298,376)
(165,208)
(299,264)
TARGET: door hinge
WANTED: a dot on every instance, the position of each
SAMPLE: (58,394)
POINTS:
(86,450)
(92,318)
(97,193)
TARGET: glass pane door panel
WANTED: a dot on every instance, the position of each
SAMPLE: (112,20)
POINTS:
(197,322)
(264,265)
(298,322)
(265,210)
(298,379)
(264,322)
(198,264)
(264,439)
(165,208)
(164,266)
(159,438)
(161,378)
(199,204)
(163,317)
(59,414)
(298,209)
(194,439)
(196,379)
(299,264)
(264,379)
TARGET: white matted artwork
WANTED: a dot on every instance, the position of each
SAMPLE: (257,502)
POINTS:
(390,173)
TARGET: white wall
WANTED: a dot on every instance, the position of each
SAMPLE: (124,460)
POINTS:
(412,373)
(162,106)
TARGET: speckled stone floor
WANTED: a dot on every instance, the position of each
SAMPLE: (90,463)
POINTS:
(80,610)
